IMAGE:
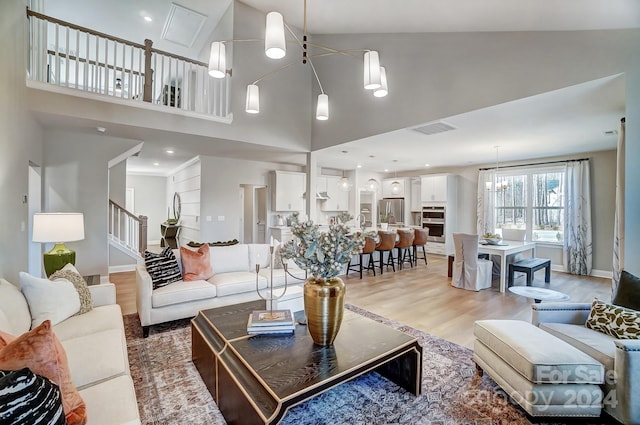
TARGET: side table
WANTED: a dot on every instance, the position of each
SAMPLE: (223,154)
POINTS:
(539,294)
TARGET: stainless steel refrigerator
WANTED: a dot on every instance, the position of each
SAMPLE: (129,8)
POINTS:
(391,207)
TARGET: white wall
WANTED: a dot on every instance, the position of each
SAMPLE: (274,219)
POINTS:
(187,182)
(150,200)
(20,140)
(76,179)
(118,183)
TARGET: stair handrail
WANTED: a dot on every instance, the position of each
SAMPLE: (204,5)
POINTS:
(136,236)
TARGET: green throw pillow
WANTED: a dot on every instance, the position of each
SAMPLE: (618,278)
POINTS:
(618,322)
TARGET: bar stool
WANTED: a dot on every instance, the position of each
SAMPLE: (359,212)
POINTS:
(404,246)
(386,244)
(368,249)
(420,239)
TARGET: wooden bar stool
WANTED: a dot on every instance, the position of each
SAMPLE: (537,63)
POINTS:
(368,249)
(387,244)
(404,245)
(420,240)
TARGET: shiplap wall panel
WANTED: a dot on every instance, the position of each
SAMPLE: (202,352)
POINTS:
(186,182)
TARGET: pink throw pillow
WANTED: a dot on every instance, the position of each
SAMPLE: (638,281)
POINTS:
(196,265)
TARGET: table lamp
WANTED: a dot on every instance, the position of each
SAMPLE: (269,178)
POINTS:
(58,228)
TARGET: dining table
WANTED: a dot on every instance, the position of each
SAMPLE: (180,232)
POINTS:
(502,249)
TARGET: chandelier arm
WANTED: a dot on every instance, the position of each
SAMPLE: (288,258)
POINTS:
(316,74)
(346,52)
(268,74)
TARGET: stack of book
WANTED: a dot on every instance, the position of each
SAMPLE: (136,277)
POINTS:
(271,322)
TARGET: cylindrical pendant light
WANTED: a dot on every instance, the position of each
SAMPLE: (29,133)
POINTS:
(372,78)
(253,99)
(383,90)
(322,110)
(217,60)
(274,42)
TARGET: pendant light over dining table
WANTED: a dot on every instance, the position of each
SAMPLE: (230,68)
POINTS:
(375,76)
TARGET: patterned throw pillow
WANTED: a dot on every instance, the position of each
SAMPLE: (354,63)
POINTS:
(27,398)
(163,267)
(618,322)
(41,351)
(86,302)
(196,264)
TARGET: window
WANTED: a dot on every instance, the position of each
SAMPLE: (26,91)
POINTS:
(531,199)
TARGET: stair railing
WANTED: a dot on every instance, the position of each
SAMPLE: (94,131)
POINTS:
(127,229)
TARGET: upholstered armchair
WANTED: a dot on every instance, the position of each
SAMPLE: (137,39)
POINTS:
(620,357)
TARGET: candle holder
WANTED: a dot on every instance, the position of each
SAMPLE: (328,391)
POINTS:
(271,295)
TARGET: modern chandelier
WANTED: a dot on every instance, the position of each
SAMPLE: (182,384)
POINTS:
(375,76)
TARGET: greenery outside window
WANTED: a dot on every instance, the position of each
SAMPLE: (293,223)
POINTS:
(531,199)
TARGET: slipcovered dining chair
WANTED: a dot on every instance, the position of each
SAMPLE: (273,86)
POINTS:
(510,235)
(469,271)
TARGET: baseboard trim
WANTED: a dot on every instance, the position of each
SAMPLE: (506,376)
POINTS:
(122,268)
(595,273)
(153,242)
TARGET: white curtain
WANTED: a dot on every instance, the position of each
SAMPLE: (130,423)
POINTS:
(577,228)
(618,228)
(486,203)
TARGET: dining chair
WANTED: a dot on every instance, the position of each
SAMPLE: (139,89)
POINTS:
(510,235)
(420,237)
(404,245)
(387,242)
(367,250)
(469,271)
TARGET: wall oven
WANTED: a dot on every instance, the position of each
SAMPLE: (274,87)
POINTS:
(433,218)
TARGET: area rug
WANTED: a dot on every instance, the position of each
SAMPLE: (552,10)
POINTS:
(170,391)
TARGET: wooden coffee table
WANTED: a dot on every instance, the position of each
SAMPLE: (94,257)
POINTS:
(256,379)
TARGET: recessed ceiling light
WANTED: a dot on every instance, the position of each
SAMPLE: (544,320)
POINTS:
(156,163)
(101,129)
(148,18)
(427,165)
(170,151)
(359,165)
(386,170)
(344,151)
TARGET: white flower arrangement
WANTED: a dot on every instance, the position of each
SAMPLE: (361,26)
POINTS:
(322,254)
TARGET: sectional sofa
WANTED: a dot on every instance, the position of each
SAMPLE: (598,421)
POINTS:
(234,281)
(96,350)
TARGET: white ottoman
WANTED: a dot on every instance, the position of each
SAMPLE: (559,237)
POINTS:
(543,374)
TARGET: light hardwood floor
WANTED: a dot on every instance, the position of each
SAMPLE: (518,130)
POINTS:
(423,298)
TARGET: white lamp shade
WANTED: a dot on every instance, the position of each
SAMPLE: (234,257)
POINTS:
(253,99)
(372,78)
(218,60)
(274,43)
(322,110)
(58,227)
(383,90)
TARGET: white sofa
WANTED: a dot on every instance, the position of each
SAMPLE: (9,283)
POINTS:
(620,357)
(233,282)
(96,350)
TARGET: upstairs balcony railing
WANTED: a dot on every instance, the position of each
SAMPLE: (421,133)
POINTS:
(67,55)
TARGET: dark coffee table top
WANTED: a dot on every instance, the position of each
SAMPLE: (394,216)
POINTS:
(292,367)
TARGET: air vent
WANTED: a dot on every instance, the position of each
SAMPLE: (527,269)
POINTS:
(182,25)
(434,128)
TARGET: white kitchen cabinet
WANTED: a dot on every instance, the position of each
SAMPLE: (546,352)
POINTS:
(282,234)
(433,188)
(387,188)
(338,199)
(416,196)
(289,191)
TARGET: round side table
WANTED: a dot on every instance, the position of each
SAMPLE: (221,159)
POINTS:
(539,294)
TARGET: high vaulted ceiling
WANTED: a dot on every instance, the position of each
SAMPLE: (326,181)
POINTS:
(565,121)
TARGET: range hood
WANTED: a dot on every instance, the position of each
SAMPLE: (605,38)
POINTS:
(322,196)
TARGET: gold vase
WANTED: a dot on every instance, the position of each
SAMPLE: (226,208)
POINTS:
(324,305)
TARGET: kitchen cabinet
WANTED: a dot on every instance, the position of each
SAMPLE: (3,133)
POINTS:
(290,187)
(416,196)
(338,199)
(387,188)
(282,234)
(433,188)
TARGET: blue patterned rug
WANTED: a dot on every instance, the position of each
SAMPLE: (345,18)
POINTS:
(170,391)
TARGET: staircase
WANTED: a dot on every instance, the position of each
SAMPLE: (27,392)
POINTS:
(127,232)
